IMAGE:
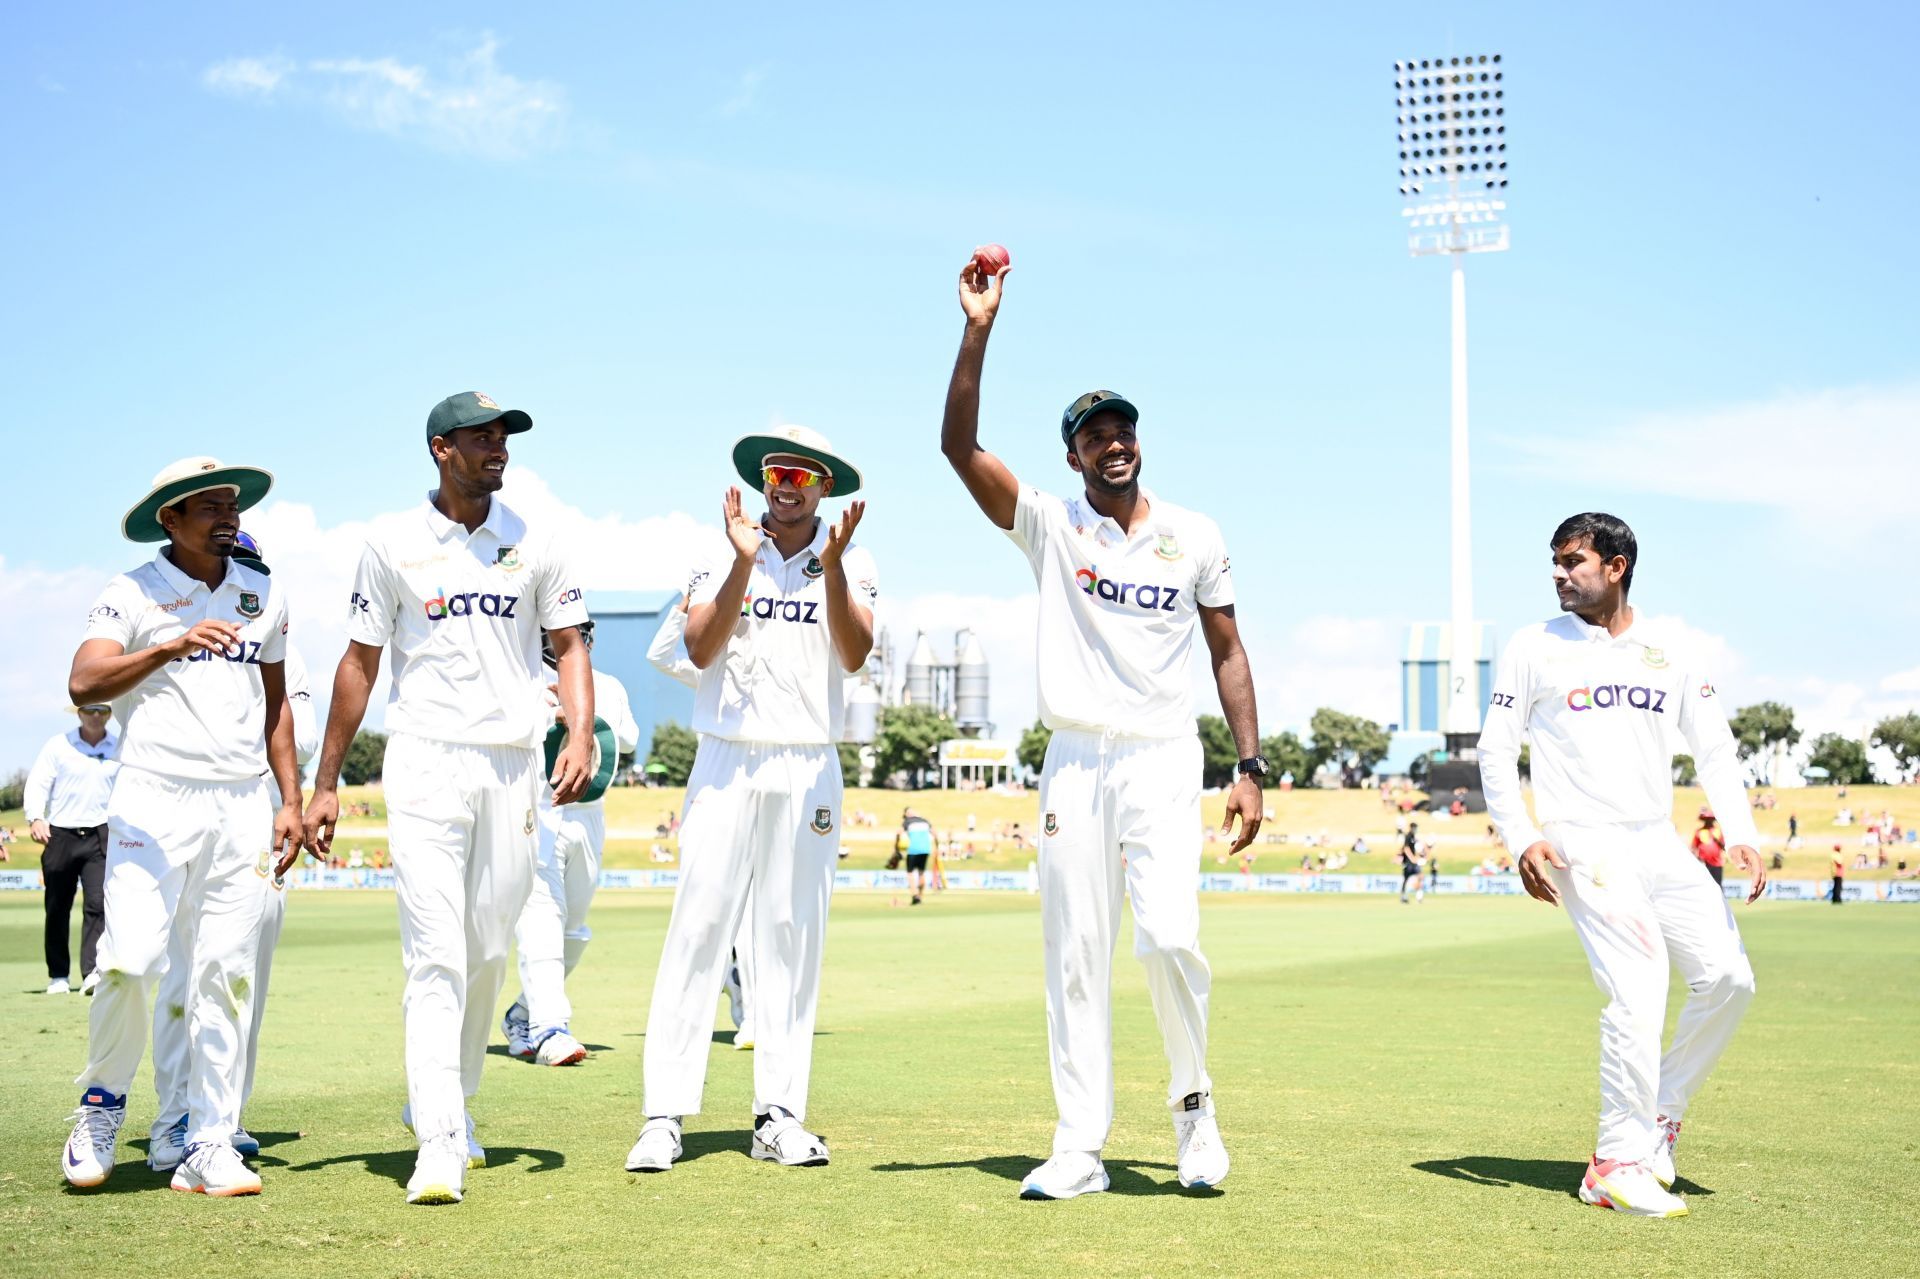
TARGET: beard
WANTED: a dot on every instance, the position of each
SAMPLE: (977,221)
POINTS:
(1097,481)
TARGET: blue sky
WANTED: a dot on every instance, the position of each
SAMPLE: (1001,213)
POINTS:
(279,237)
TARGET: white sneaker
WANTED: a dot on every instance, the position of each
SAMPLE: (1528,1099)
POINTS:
(514,1026)
(58,986)
(245,1142)
(780,1137)
(743,1039)
(1661,1165)
(658,1147)
(167,1146)
(1629,1188)
(439,1172)
(1203,1156)
(1067,1175)
(476,1153)
(215,1168)
(96,1130)
(560,1049)
(92,980)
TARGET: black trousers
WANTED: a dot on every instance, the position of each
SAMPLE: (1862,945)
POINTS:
(1719,873)
(76,857)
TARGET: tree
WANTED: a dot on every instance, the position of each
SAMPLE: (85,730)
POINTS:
(1033,747)
(1758,729)
(366,756)
(1900,735)
(674,746)
(1219,756)
(908,741)
(13,791)
(849,762)
(1843,759)
(1684,773)
(1286,753)
(1353,742)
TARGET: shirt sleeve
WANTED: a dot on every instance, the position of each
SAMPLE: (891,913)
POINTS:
(703,587)
(561,603)
(668,652)
(1213,586)
(1034,515)
(373,611)
(306,725)
(1500,741)
(274,647)
(39,797)
(863,577)
(617,710)
(1716,761)
(112,617)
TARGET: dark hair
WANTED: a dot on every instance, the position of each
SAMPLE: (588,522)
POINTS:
(1607,534)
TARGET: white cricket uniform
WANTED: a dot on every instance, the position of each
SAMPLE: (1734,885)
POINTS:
(171,1049)
(189,830)
(1120,788)
(668,654)
(1605,715)
(462,613)
(553,933)
(762,814)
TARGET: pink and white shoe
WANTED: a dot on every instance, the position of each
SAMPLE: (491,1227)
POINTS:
(1661,1165)
(1629,1188)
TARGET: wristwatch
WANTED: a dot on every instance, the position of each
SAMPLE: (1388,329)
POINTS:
(1255,768)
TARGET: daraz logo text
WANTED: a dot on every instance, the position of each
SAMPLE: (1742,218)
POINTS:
(1148,596)
(770,608)
(467,603)
(1606,696)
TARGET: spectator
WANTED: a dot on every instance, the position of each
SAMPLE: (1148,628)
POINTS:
(1839,872)
(1710,846)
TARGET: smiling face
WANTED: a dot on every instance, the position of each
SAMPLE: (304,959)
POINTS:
(790,504)
(205,523)
(473,459)
(1586,583)
(1106,452)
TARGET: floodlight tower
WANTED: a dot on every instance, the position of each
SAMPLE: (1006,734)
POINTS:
(1453,133)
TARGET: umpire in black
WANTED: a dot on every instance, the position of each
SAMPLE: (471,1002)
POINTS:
(66,805)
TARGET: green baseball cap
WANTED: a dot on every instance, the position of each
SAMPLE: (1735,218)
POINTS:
(470,408)
(1094,402)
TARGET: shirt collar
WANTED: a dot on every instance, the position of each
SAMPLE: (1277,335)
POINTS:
(182,584)
(81,744)
(1636,632)
(771,550)
(442,528)
(1085,516)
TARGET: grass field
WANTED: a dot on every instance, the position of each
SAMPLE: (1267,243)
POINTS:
(1405,1090)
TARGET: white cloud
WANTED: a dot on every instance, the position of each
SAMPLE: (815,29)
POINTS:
(1902,682)
(745,89)
(1349,663)
(1800,452)
(470,105)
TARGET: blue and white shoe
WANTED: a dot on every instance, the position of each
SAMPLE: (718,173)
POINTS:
(558,1048)
(245,1143)
(514,1026)
(88,1161)
(167,1145)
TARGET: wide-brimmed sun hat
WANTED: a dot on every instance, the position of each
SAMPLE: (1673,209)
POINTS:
(180,480)
(751,451)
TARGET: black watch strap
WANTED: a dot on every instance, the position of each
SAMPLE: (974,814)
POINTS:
(1255,767)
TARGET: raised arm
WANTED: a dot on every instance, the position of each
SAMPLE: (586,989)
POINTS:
(710,624)
(849,619)
(986,476)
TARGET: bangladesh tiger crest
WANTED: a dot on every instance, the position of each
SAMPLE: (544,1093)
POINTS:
(249,604)
(1168,547)
(508,558)
(822,820)
(1655,657)
(264,865)
(1051,826)
(528,828)
(813,567)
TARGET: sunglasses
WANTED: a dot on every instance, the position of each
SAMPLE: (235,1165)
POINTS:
(798,476)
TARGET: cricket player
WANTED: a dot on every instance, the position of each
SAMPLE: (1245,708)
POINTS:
(668,654)
(552,933)
(172,1050)
(461,588)
(1126,579)
(1605,700)
(190,649)
(775,626)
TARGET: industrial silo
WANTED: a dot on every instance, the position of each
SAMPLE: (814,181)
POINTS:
(920,664)
(970,681)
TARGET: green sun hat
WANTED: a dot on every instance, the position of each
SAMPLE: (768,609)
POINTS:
(1091,403)
(606,757)
(470,408)
(180,480)
(751,451)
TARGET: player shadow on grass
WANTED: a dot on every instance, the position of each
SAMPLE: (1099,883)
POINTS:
(398,1164)
(1562,1175)
(1129,1176)
(500,1050)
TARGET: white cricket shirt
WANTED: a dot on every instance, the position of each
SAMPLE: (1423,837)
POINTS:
(463,613)
(668,652)
(1117,613)
(306,727)
(1605,716)
(778,679)
(71,780)
(610,703)
(201,718)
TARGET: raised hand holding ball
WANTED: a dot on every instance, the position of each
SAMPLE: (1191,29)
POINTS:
(992,259)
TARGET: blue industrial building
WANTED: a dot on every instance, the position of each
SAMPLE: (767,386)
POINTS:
(1426,688)
(624,623)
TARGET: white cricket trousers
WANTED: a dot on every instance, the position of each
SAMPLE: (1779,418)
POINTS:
(1640,901)
(763,819)
(172,1050)
(552,933)
(1120,818)
(191,854)
(461,822)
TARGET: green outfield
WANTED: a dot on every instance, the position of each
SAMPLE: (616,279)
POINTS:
(1405,1090)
